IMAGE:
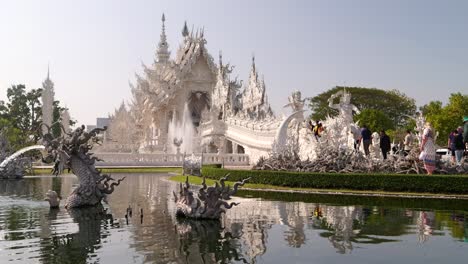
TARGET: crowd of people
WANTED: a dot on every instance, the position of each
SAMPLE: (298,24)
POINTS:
(457,143)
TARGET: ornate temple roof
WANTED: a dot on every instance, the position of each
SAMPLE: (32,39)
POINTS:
(159,84)
(162,80)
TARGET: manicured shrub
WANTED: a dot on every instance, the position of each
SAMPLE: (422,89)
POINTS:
(353,181)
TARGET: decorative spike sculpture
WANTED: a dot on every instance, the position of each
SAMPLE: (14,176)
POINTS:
(211,201)
(53,199)
(72,151)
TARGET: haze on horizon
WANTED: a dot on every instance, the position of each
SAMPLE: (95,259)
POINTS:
(94,48)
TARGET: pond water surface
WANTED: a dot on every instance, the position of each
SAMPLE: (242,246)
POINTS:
(264,228)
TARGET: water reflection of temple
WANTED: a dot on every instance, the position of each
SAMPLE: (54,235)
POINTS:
(342,220)
(153,233)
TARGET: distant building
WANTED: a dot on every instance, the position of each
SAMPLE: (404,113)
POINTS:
(102,122)
(90,127)
(47,98)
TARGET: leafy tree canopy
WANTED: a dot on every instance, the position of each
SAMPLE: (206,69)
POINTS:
(394,104)
(374,119)
(446,118)
(23,111)
(21,116)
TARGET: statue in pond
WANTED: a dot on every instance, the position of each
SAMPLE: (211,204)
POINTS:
(210,203)
(71,151)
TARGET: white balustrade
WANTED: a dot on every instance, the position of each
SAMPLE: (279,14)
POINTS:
(161,159)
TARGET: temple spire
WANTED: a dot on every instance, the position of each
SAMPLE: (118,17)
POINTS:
(163,48)
(254,70)
(220,59)
(253,62)
(185,31)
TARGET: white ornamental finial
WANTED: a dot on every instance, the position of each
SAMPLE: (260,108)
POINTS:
(163,47)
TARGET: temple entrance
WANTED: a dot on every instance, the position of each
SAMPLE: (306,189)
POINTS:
(197,102)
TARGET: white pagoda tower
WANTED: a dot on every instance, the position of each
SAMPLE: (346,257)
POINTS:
(47,102)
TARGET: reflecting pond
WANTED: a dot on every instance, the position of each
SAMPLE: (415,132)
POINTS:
(264,228)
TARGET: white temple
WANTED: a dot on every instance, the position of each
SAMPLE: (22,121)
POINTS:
(226,117)
(190,104)
(47,102)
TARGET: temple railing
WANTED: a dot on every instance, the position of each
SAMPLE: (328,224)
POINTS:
(161,159)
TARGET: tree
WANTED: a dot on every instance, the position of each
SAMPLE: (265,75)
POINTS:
(374,119)
(444,119)
(12,134)
(394,104)
(23,110)
(21,116)
(56,119)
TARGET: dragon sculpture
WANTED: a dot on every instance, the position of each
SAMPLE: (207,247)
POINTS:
(71,150)
(211,201)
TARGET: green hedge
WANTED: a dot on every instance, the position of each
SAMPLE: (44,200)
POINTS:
(372,182)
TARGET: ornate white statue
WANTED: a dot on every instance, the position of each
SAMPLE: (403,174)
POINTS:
(344,107)
(420,122)
(375,148)
(340,129)
(295,101)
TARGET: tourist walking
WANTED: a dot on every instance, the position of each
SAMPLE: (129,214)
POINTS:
(385,144)
(459,145)
(428,148)
(408,143)
(451,144)
(366,138)
(318,128)
(465,130)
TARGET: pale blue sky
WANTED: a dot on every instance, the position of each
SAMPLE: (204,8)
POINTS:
(95,47)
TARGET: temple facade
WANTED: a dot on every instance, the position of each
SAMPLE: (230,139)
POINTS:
(190,83)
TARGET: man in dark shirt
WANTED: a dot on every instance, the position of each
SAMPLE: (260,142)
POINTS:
(384,144)
(459,145)
(366,138)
